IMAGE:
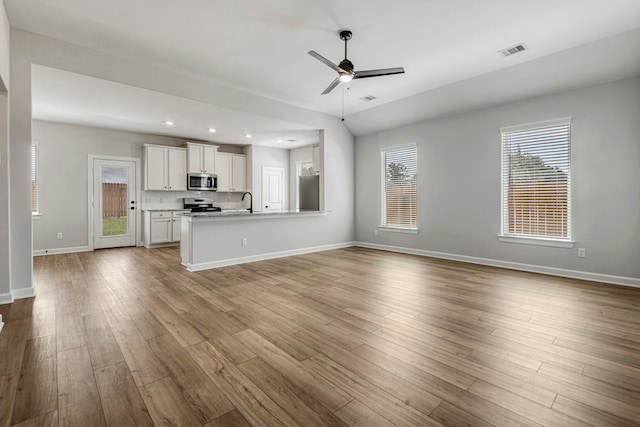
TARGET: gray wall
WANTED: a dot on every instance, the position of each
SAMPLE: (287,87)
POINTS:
(459,181)
(261,157)
(28,48)
(64,151)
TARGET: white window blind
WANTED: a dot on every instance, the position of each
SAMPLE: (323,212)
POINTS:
(536,190)
(399,189)
(35,196)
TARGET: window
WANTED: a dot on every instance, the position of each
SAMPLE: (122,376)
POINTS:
(35,194)
(306,169)
(536,191)
(399,195)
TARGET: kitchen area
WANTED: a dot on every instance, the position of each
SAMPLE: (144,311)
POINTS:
(199,196)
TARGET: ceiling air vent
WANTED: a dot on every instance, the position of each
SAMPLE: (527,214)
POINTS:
(368,98)
(513,50)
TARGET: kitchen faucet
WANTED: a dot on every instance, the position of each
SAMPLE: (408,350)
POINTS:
(251,201)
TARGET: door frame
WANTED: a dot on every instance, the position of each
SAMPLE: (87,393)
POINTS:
(90,196)
(282,192)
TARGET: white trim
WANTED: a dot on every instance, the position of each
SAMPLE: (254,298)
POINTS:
(1,323)
(574,274)
(382,189)
(36,215)
(405,230)
(138,192)
(263,257)
(29,292)
(537,241)
(6,298)
(55,251)
(564,121)
(400,146)
(537,125)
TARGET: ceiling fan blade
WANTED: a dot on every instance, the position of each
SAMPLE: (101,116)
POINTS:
(376,73)
(325,61)
(331,86)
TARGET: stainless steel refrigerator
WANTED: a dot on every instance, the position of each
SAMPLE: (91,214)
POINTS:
(309,187)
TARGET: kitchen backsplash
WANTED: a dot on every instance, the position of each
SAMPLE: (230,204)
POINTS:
(173,199)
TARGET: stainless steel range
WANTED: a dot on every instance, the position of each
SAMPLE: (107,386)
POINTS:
(200,204)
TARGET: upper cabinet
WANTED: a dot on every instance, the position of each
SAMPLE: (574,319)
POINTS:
(232,171)
(202,158)
(165,168)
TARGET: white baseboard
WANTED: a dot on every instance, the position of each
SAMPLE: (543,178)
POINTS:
(6,298)
(574,274)
(10,297)
(1,323)
(24,293)
(263,257)
(55,251)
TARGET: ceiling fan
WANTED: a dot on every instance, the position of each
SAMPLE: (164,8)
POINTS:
(345,70)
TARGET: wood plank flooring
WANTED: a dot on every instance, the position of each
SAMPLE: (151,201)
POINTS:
(354,336)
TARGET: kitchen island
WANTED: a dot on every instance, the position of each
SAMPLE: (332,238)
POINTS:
(217,239)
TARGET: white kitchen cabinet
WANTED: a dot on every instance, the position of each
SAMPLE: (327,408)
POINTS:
(162,228)
(232,171)
(165,168)
(201,158)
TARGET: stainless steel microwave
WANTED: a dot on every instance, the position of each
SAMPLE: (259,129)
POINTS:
(202,182)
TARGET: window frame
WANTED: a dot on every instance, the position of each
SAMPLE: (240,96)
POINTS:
(539,240)
(35,176)
(383,225)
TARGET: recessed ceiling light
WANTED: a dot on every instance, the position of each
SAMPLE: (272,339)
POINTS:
(279,141)
(212,130)
(248,135)
(291,140)
(169,123)
(368,98)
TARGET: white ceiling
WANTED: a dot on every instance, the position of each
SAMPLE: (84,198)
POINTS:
(261,47)
(61,96)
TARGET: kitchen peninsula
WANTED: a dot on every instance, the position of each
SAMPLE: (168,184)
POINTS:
(217,239)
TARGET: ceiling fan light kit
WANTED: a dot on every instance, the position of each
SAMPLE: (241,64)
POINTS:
(346,71)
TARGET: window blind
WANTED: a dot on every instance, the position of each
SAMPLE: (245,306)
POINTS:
(35,197)
(399,189)
(536,192)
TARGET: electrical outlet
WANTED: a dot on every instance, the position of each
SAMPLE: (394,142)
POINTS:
(582,253)
(244,241)
(59,236)
(375,232)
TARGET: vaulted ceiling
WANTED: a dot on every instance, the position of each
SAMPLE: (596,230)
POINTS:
(448,48)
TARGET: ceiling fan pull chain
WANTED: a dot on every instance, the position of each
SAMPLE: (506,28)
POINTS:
(343,103)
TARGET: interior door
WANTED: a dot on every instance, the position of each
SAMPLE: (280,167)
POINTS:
(272,189)
(114,203)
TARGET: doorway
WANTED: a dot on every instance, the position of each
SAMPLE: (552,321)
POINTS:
(113,203)
(272,189)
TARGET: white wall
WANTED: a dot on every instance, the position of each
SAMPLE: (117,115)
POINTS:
(459,181)
(27,48)
(266,157)
(5,272)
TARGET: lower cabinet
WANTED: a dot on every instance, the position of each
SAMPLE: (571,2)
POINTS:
(162,227)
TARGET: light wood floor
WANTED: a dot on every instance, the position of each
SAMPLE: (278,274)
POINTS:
(346,337)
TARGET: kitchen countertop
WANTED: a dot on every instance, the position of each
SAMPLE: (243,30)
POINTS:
(166,210)
(244,214)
